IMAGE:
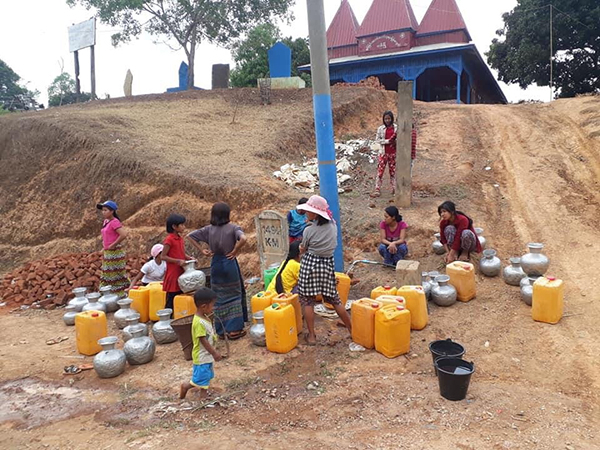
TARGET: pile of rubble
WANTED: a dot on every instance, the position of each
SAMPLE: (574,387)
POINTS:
(48,283)
(371,82)
(305,176)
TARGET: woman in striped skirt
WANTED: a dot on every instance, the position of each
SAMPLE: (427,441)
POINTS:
(114,272)
(317,271)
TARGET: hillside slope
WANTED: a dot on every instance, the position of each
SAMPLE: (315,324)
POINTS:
(155,155)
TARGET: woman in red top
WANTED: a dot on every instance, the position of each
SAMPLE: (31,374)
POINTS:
(457,233)
(175,257)
(386,135)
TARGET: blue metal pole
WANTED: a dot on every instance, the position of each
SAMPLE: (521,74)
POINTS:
(323,117)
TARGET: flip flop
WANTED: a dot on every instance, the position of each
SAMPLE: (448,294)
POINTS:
(237,336)
(57,340)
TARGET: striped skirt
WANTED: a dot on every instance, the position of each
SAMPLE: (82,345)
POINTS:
(114,271)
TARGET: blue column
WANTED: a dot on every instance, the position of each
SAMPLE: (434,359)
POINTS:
(469,93)
(414,88)
(458,80)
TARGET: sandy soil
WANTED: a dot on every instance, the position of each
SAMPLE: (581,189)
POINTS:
(535,386)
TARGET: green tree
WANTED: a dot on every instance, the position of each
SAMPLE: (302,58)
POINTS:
(251,58)
(521,54)
(62,91)
(13,96)
(9,81)
(187,22)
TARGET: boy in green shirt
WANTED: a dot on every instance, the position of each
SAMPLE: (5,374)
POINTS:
(204,339)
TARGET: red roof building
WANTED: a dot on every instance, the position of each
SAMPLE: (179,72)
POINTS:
(341,34)
(442,22)
(436,55)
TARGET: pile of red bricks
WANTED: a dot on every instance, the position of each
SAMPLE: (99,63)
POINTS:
(48,283)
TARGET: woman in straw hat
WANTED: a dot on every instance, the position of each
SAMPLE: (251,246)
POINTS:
(317,272)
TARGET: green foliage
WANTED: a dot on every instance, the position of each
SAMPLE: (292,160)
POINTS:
(187,22)
(521,54)
(9,81)
(62,91)
(251,58)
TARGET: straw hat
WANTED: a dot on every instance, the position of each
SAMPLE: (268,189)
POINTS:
(318,205)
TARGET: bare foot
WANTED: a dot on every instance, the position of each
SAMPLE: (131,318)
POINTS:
(463,257)
(375,194)
(310,340)
(183,390)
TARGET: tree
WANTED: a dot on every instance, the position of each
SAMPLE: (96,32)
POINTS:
(251,58)
(187,22)
(62,91)
(9,81)
(13,96)
(521,54)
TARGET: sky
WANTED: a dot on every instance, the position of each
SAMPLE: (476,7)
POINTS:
(34,43)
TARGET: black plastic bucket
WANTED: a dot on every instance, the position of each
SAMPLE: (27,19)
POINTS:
(445,348)
(183,329)
(454,375)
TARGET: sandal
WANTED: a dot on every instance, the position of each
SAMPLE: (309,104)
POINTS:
(57,340)
(238,334)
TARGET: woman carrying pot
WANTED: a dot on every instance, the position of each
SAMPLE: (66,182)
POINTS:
(457,233)
(224,240)
(114,261)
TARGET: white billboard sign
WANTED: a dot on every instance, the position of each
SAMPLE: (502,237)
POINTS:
(82,35)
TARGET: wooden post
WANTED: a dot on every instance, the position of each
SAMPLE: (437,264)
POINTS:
(403,144)
(93,69)
(77,84)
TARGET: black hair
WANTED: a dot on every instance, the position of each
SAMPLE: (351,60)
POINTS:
(393,212)
(203,296)
(219,214)
(302,201)
(114,214)
(322,220)
(174,219)
(451,208)
(388,113)
(293,253)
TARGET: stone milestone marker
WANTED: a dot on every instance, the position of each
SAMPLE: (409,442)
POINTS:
(272,238)
(280,61)
(128,85)
(220,76)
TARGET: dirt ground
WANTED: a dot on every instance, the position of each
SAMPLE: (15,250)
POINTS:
(535,385)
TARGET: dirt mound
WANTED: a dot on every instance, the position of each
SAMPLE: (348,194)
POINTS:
(48,283)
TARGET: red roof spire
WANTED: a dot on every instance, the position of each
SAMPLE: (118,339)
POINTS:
(344,25)
(388,15)
(442,16)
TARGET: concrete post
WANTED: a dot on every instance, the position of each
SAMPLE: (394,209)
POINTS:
(403,144)
(319,65)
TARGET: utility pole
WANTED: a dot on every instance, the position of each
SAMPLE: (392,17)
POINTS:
(319,68)
(551,55)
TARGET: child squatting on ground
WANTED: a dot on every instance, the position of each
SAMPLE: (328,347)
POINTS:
(204,339)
